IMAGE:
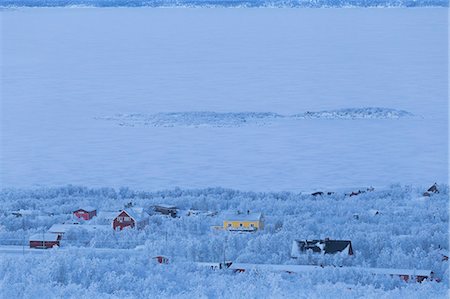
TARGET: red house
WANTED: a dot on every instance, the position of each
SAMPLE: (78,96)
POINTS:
(85,213)
(44,241)
(132,218)
(161,259)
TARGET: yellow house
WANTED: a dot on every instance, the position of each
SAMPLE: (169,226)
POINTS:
(243,222)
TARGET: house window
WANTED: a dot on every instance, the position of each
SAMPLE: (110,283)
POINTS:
(127,219)
(229,224)
(252,224)
(240,224)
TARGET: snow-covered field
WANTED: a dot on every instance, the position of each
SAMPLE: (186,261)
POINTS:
(266,101)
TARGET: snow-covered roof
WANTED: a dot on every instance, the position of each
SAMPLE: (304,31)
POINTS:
(60,228)
(320,246)
(166,206)
(108,215)
(86,208)
(47,237)
(137,215)
(63,228)
(309,268)
(242,217)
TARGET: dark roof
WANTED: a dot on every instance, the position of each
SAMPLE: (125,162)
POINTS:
(165,206)
(326,246)
(433,188)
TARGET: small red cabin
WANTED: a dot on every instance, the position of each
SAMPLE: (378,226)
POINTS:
(86,213)
(44,241)
(161,259)
(130,218)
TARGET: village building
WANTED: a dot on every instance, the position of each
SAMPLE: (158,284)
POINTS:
(166,209)
(326,246)
(132,218)
(243,221)
(431,190)
(159,259)
(45,240)
(86,213)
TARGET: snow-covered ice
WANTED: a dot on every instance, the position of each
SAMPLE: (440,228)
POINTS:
(57,81)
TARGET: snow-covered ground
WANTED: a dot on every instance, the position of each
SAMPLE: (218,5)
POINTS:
(408,232)
(58,80)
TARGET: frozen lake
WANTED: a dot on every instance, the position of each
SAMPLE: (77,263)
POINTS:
(63,68)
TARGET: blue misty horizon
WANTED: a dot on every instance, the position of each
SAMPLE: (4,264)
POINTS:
(225,3)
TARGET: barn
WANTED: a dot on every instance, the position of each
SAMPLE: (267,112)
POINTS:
(133,218)
(45,240)
(326,246)
(86,213)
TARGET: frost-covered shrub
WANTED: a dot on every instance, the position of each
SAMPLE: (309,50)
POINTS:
(395,228)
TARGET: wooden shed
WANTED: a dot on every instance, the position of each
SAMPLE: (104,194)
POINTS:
(45,240)
(161,259)
(86,213)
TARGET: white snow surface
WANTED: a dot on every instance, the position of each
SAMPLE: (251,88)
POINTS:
(58,80)
(44,237)
(407,237)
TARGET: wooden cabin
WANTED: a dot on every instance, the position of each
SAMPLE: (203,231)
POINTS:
(131,218)
(86,213)
(243,221)
(45,240)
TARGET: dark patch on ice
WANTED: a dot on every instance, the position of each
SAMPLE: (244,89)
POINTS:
(237,119)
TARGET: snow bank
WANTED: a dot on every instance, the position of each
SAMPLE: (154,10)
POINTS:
(237,119)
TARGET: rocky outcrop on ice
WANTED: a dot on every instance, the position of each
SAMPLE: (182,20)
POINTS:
(356,113)
(237,119)
(194,119)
